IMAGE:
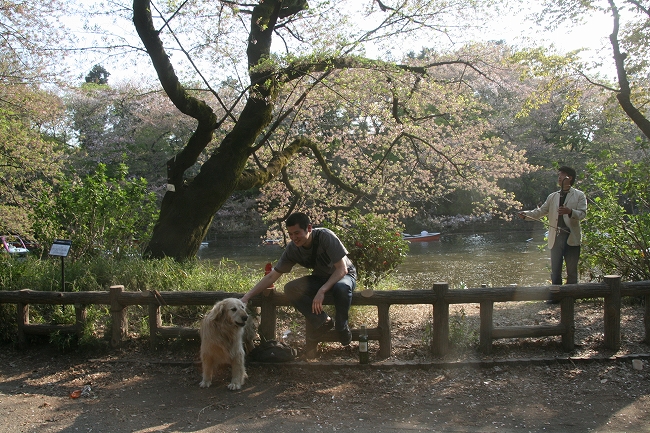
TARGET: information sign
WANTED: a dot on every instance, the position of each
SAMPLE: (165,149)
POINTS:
(60,248)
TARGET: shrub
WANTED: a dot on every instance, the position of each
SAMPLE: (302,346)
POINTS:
(100,214)
(616,229)
(375,246)
(97,274)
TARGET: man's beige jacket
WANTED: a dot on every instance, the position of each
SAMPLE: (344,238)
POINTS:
(576,201)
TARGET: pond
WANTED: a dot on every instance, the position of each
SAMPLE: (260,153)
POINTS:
(496,258)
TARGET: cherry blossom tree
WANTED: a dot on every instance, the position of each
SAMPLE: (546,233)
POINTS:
(302,112)
(125,124)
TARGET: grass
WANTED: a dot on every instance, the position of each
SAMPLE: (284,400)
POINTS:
(135,274)
(98,274)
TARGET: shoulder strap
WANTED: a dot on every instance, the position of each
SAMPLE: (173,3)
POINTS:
(314,246)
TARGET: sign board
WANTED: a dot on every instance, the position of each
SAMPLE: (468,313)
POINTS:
(60,248)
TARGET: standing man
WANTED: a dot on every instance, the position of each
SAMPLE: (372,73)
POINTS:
(564,208)
(321,250)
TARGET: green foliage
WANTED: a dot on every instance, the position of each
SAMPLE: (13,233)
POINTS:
(617,228)
(461,333)
(97,317)
(28,160)
(8,325)
(136,274)
(99,213)
(98,75)
(375,246)
(97,274)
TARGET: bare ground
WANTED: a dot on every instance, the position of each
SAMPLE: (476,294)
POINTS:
(524,385)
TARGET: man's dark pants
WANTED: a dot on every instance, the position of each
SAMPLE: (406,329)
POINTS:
(569,254)
(301,293)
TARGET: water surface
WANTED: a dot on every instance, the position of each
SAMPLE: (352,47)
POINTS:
(498,258)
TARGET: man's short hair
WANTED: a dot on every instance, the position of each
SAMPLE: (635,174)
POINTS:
(298,218)
(569,172)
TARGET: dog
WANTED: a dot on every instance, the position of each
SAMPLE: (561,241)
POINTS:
(222,333)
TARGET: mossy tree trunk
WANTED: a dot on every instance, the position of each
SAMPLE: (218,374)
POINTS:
(188,207)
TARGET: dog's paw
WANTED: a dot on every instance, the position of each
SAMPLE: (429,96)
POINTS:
(205,384)
(234,386)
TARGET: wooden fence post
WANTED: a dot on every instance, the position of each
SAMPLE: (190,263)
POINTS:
(120,324)
(268,317)
(383,320)
(485,332)
(81,317)
(155,322)
(646,319)
(440,340)
(567,318)
(612,317)
(22,319)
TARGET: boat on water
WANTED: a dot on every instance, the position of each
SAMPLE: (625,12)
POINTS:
(423,236)
(13,245)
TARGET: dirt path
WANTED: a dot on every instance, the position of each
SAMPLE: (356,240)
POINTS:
(133,395)
(523,386)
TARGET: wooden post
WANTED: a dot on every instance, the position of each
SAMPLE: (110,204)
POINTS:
(485,333)
(612,317)
(567,318)
(440,340)
(81,317)
(120,323)
(268,317)
(22,319)
(155,322)
(646,320)
(383,321)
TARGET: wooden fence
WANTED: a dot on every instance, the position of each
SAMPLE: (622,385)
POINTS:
(612,291)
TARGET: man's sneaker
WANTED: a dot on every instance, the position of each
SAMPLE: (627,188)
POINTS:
(345,336)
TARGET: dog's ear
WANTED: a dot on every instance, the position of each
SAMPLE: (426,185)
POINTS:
(220,311)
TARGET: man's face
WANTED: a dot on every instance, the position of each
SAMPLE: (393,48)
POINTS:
(564,180)
(299,236)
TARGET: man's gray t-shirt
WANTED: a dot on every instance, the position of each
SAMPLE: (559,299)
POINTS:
(330,250)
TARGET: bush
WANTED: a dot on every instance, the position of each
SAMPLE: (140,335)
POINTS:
(375,246)
(616,229)
(99,273)
(100,214)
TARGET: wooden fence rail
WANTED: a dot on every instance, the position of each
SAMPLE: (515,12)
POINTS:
(612,291)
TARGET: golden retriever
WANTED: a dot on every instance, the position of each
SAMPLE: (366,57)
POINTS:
(222,331)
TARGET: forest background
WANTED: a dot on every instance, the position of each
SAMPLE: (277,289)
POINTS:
(229,115)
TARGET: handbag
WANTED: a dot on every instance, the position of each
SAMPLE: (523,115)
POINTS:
(272,351)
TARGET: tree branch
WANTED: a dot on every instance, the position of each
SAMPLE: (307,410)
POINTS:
(187,104)
(256,178)
(624,95)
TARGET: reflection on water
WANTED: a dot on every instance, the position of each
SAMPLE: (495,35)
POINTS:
(496,259)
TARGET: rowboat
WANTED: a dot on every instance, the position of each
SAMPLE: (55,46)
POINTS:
(13,245)
(424,236)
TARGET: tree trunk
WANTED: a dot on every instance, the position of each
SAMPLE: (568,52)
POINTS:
(187,210)
(183,223)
